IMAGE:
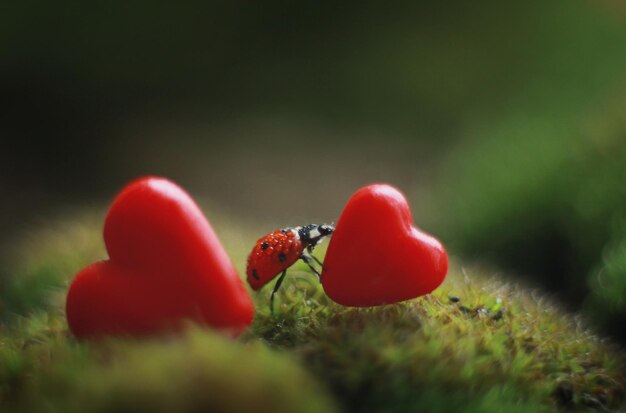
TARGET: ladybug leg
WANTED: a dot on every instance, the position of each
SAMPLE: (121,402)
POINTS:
(317,260)
(276,287)
(310,250)
(307,260)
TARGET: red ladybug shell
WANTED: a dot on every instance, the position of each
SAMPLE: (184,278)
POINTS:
(271,255)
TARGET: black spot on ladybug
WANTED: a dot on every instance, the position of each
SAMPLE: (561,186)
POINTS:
(282,257)
(264,245)
(285,231)
(255,273)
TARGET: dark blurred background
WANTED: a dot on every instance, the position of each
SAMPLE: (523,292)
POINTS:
(504,122)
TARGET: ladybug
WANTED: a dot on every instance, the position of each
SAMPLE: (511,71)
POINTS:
(279,250)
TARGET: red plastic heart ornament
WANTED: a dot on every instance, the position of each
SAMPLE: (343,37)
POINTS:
(376,256)
(166,266)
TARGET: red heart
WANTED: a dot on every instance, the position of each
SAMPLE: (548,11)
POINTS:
(376,256)
(166,265)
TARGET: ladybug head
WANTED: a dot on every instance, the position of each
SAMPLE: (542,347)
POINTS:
(312,234)
(326,229)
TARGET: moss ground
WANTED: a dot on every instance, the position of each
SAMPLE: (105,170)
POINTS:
(478,344)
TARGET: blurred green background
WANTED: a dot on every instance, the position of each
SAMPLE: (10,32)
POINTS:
(503,122)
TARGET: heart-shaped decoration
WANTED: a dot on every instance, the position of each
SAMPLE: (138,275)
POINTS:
(165,266)
(376,256)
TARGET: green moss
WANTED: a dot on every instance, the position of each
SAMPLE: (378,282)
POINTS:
(197,372)
(498,348)
(607,301)
(38,265)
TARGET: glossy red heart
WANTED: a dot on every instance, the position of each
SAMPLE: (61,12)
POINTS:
(376,256)
(166,266)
